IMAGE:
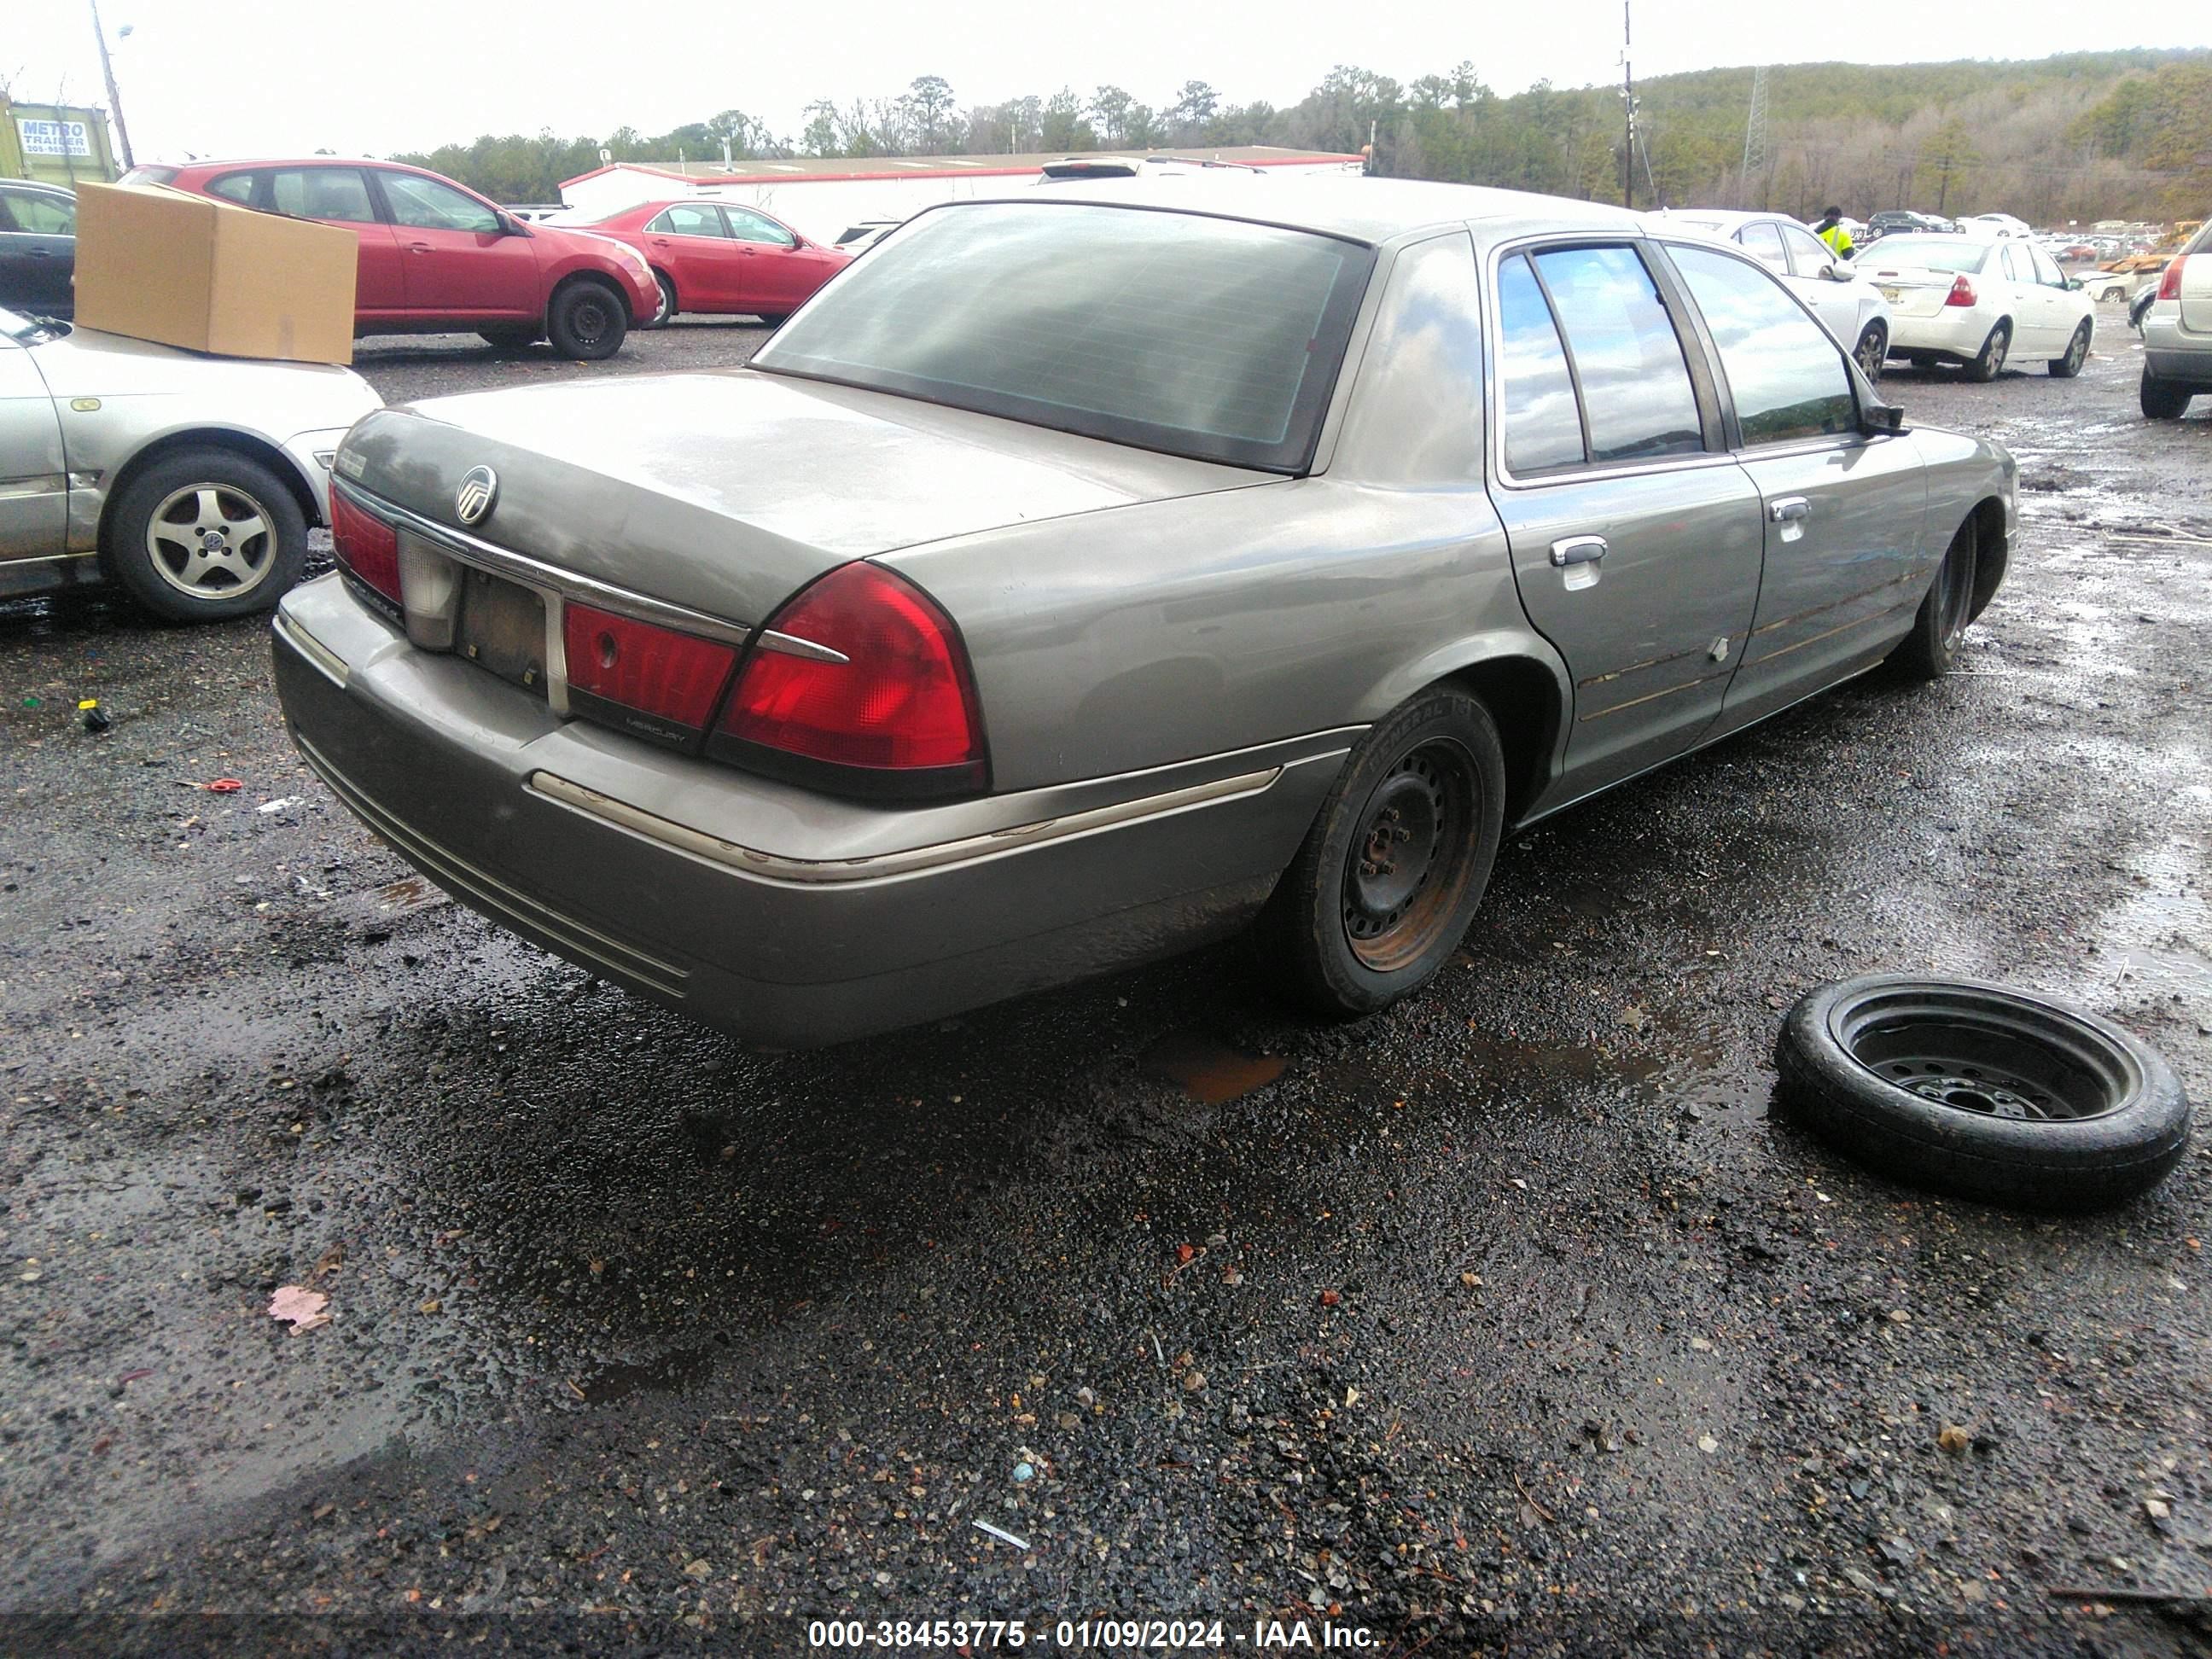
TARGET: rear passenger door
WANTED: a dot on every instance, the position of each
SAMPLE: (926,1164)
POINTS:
(339,196)
(689,242)
(1635,539)
(1843,511)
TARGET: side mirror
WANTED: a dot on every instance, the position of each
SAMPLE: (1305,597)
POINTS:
(2074,283)
(1880,419)
(509,225)
(1838,272)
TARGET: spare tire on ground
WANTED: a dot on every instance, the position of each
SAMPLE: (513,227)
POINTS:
(1981,1090)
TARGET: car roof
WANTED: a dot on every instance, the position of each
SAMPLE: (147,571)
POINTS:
(1360,210)
(292,161)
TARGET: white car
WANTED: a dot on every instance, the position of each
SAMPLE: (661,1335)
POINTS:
(189,480)
(2177,332)
(1852,309)
(1995,226)
(1963,300)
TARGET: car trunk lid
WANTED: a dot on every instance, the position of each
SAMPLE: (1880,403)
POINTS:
(1912,291)
(726,491)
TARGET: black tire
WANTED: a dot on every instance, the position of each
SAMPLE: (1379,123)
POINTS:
(773,319)
(1356,922)
(205,533)
(2077,353)
(665,313)
(1872,351)
(1921,359)
(511,339)
(2162,400)
(1981,1090)
(1989,362)
(1927,653)
(586,321)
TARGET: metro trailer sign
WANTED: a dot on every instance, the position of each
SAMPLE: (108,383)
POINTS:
(58,138)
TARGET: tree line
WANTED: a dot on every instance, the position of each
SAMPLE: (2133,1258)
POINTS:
(2079,136)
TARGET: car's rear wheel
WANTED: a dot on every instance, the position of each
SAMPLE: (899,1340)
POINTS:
(202,534)
(1939,627)
(1988,361)
(773,319)
(1872,351)
(511,339)
(1921,359)
(2077,353)
(666,309)
(1396,861)
(587,321)
(2162,400)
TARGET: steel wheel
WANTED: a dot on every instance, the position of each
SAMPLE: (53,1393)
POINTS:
(1873,351)
(1408,865)
(211,541)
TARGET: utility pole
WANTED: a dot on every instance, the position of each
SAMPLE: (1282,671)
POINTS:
(114,98)
(1754,132)
(1628,104)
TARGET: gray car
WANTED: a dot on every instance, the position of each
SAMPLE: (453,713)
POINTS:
(1079,578)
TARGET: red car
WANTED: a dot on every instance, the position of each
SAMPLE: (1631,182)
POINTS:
(717,256)
(435,257)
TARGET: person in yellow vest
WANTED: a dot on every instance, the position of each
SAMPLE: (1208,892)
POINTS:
(1830,230)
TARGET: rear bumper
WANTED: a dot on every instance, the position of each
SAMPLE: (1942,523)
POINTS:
(2172,352)
(775,914)
(1954,331)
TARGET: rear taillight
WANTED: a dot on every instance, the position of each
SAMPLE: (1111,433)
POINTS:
(1962,291)
(2169,282)
(368,548)
(898,715)
(649,680)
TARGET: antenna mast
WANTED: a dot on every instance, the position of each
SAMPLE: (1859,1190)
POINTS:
(1628,104)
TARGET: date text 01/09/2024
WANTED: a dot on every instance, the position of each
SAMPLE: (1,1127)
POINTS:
(1101,1635)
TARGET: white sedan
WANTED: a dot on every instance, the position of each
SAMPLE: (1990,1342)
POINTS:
(189,480)
(1852,310)
(2177,332)
(1963,300)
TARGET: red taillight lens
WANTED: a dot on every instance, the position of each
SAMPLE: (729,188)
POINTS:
(367,547)
(899,715)
(649,680)
(2169,281)
(1962,291)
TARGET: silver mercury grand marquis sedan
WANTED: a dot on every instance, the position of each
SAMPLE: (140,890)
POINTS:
(1078,578)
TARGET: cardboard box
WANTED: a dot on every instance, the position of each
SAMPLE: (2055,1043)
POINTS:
(189,271)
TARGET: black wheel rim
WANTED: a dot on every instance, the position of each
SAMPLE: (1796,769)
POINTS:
(590,322)
(1986,1054)
(1410,860)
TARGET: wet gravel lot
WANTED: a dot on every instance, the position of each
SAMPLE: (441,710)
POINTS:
(1513,1320)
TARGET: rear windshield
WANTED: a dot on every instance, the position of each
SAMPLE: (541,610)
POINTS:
(1952,253)
(148,175)
(1197,336)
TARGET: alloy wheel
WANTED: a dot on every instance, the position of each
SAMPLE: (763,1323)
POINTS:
(211,541)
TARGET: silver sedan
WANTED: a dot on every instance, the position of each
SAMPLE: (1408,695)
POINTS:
(1081,577)
(189,480)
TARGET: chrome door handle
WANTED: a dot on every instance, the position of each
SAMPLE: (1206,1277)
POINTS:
(1577,549)
(1788,508)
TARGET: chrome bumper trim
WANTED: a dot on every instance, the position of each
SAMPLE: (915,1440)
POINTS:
(493,897)
(877,867)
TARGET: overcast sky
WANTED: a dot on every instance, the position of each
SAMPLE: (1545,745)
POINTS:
(238,77)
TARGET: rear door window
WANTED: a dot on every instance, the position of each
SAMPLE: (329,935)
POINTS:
(2017,266)
(1786,374)
(1542,426)
(233,187)
(1637,402)
(337,193)
(1763,243)
(690,220)
(39,214)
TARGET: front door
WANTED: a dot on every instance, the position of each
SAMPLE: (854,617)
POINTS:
(1836,304)
(461,265)
(1842,512)
(33,476)
(779,273)
(37,251)
(1635,544)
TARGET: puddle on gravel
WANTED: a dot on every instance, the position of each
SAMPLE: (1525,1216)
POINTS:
(1207,1069)
(410,893)
(2159,942)
(669,1374)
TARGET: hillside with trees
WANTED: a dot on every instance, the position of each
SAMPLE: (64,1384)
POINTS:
(2082,137)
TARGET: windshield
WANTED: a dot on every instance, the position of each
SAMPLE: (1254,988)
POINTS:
(28,330)
(1952,253)
(1201,337)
